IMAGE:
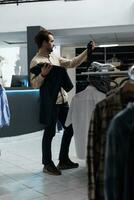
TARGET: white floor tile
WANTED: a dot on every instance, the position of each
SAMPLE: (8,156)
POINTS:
(21,176)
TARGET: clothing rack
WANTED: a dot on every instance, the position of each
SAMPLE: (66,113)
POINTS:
(114,73)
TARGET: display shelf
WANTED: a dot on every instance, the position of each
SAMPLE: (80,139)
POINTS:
(124,59)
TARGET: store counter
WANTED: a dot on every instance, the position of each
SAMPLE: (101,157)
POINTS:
(24,108)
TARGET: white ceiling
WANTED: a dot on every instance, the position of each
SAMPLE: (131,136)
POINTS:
(123,35)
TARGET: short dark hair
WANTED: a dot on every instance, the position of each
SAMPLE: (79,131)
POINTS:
(43,35)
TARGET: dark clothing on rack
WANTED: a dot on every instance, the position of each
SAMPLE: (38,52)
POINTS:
(101,83)
(101,118)
(119,162)
(49,90)
(89,54)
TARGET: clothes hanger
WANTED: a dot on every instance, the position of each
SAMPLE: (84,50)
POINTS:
(123,81)
(111,73)
(115,84)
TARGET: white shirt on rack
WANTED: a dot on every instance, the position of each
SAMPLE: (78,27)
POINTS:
(79,115)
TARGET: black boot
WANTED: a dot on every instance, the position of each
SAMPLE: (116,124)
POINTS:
(67,164)
(51,169)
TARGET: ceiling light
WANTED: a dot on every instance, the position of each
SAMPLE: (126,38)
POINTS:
(108,45)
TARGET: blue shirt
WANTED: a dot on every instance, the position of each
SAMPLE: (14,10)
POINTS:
(4,108)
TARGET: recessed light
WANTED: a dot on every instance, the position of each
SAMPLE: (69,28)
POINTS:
(108,45)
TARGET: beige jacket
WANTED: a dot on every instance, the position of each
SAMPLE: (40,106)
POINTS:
(36,82)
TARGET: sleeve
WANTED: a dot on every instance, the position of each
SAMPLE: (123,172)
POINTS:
(90,159)
(74,62)
(36,81)
(94,149)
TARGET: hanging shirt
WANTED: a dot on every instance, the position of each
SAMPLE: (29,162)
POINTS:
(119,159)
(99,123)
(4,109)
(80,111)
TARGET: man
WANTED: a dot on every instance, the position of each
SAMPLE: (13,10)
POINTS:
(45,42)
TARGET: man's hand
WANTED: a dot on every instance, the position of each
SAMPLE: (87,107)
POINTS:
(46,69)
(91,45)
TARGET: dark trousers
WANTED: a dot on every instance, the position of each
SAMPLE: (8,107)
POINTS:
(49,133)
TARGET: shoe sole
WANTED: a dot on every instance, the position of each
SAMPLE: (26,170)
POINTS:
(50,173)
(64,168)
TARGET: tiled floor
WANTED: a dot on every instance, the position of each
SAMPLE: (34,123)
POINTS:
(21,176)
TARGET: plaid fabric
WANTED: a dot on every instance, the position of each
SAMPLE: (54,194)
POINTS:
(101,118)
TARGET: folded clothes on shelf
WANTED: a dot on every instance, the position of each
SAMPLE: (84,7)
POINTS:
(96,66)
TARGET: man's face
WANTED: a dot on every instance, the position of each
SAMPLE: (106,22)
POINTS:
(50,44)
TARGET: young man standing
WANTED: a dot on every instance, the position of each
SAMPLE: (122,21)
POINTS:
(45,42)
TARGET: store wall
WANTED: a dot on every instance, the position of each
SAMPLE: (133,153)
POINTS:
(13,61)
(60,14)
(69,52)
(23,60)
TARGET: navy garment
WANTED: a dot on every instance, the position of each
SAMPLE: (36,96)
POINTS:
(49,90)
(119,161)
